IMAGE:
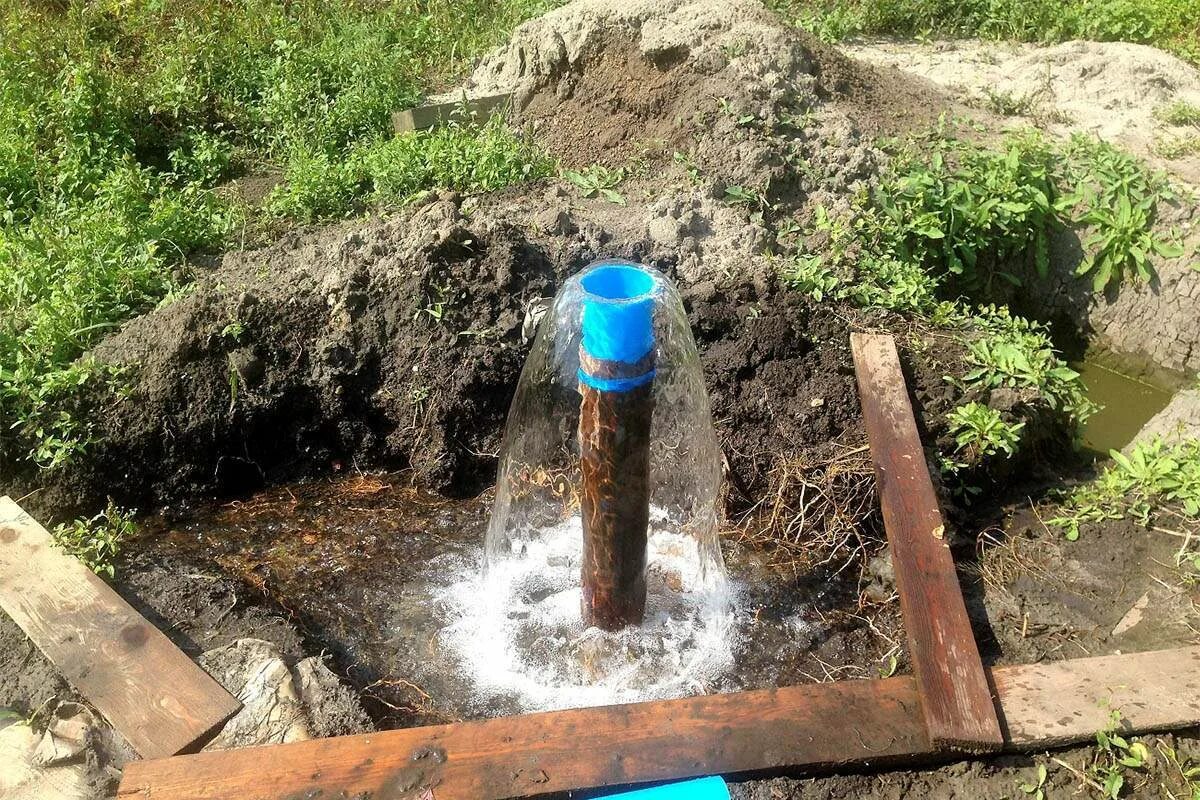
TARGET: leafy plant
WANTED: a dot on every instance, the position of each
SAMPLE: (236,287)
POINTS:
(97,541)
(462,155)
(969,212)
(1015,353)
(1119,199)
(809,275)
(1037,789)
(1009,104)
(980,431)
(233,331)
(1122,242)
(741,196)
(1152,474)
(1114,755)
(1187,772)
(598,180)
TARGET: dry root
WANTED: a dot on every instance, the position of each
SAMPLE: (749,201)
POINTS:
(821,508)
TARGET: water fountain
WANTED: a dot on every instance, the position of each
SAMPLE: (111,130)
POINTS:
(604,580)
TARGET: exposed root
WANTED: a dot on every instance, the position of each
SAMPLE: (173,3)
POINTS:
(420,703)
(1002,558)
(821,509)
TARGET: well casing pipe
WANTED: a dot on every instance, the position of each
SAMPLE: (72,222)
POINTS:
(616,382)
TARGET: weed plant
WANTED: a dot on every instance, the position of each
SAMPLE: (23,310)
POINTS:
(597,181)
(980,431)
(1155,477)
(1180,113)
(97,541)
(118,120)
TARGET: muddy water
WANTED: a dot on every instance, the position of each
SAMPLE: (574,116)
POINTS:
(362,565)
(1128,404)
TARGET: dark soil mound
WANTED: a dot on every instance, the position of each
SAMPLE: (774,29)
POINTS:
(400,343)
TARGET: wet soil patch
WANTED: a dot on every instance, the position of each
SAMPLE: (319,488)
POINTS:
(1116,589)
(357,563)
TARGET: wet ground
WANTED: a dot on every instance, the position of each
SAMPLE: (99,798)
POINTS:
(365,566)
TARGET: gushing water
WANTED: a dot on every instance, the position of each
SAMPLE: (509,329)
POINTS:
(518,629)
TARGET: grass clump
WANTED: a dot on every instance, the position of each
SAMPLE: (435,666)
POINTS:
(463,155)
(1179,113)
(1155,478)
(97,541)
(1169,24)
(118,120)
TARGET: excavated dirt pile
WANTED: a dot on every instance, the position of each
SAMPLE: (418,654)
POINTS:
(399,341)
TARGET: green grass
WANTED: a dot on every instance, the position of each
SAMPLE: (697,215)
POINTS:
(1179,112)
(463,155)
(1169,24)
(953,218)
(118,119)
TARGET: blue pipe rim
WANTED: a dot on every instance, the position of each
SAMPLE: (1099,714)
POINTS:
(617,283)
(618,310)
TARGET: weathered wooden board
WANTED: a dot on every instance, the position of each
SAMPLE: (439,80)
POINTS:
(151,692)
(955,699)
(430,116)
(859,721)
(803,727)
(1059,702)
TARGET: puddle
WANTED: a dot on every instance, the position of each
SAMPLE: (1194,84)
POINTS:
(389,579)
(1128,404)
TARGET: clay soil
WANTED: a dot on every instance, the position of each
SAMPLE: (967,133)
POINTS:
(296,475)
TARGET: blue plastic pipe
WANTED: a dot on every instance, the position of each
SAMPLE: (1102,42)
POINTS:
(712,788)
(618,322)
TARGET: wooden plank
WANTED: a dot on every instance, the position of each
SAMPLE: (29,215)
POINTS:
(151,692)
(1043,705)
(860,723)
(955,699)
(431,116)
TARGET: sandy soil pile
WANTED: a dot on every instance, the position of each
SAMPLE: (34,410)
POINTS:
(1114,90)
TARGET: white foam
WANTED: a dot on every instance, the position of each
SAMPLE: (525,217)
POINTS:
(517,630)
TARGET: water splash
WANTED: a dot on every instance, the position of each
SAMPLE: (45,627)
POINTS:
(519,635)
(537,486)
(518,631)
